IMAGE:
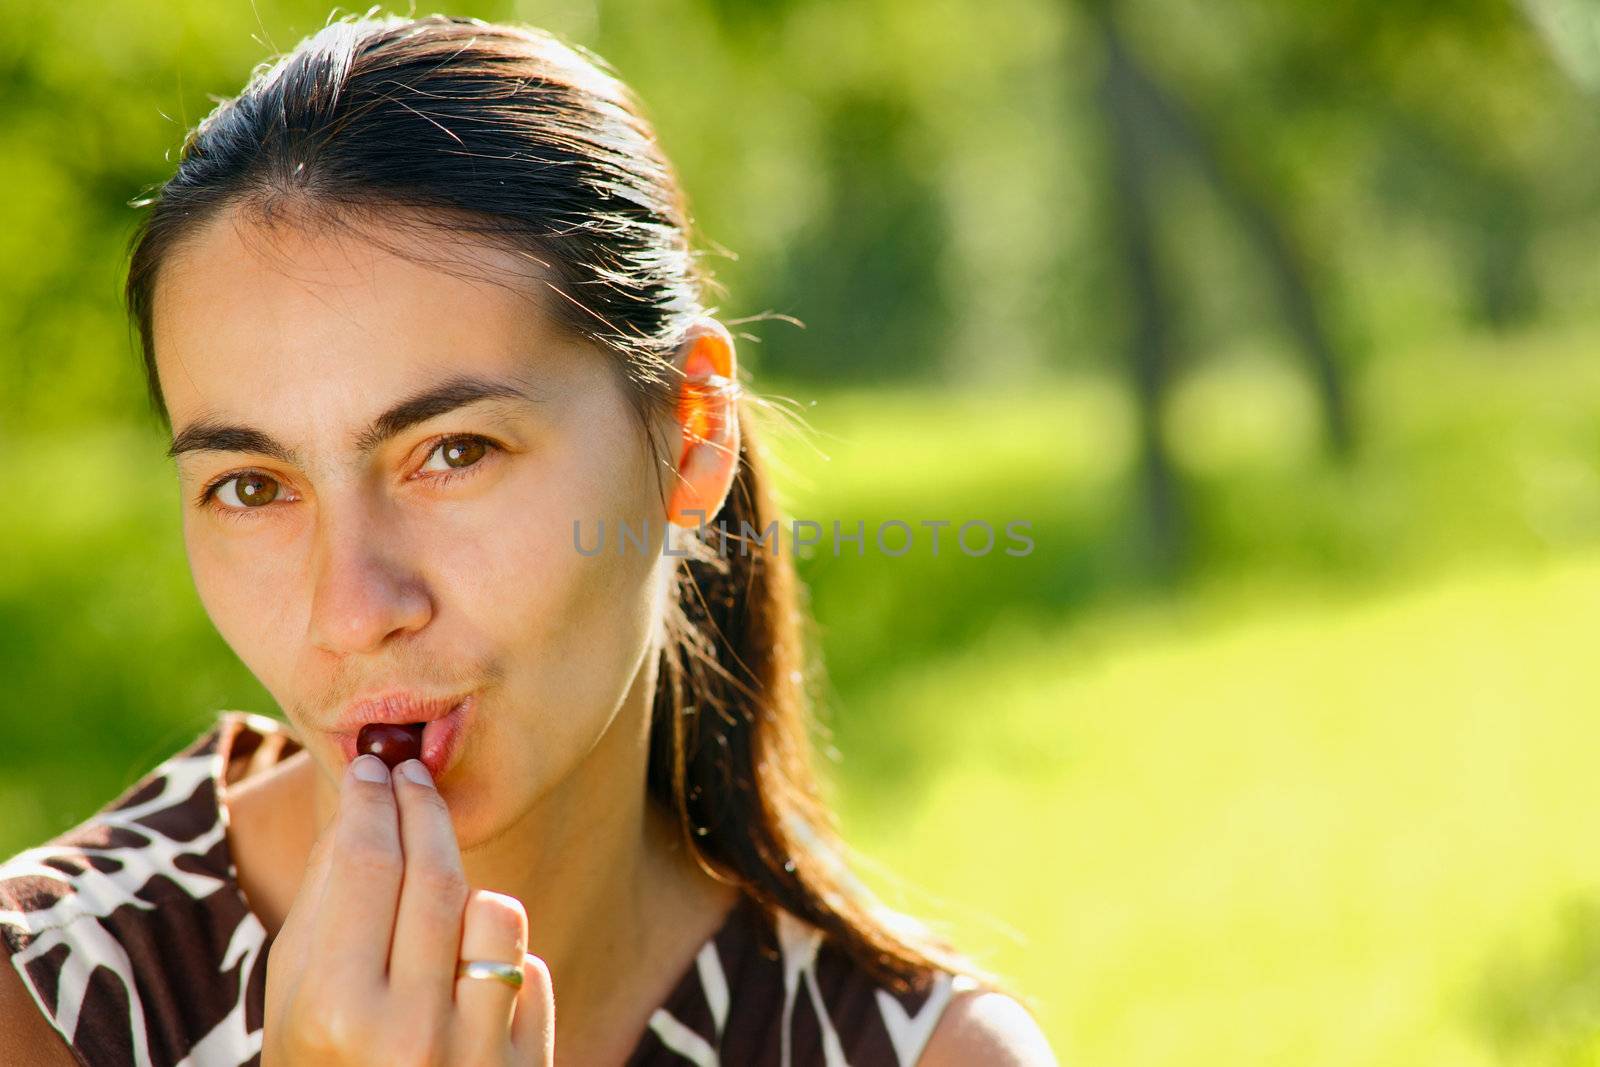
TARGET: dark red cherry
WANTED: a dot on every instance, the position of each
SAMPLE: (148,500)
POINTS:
(390,742)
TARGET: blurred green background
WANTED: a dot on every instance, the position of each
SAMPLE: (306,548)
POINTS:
(1276,321)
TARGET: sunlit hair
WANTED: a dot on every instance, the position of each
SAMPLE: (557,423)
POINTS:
(508,135)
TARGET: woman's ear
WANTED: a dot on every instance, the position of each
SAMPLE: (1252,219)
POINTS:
(708,423)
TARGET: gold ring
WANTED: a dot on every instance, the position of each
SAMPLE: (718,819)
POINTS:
(509,973)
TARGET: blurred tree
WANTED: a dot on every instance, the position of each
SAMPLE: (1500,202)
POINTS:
(864,274)
(1146,122)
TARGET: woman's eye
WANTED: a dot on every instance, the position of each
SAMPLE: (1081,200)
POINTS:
(458,452)
(249,490)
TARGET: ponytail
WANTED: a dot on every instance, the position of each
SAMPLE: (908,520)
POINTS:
(730,747)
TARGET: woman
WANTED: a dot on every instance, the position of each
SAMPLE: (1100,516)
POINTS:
(420,309)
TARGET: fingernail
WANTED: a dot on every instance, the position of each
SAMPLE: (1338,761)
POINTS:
(417,772)
(369,768)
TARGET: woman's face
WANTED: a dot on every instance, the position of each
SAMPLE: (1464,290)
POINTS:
(344,556)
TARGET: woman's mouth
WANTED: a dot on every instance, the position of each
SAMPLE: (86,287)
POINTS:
(436,743)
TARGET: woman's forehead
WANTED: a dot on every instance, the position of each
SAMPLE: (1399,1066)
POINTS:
(273,313)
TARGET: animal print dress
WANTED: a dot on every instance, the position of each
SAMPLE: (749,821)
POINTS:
(133,938)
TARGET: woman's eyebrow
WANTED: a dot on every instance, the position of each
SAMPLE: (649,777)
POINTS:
(209,435)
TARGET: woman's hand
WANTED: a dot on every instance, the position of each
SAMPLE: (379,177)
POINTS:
(342,991)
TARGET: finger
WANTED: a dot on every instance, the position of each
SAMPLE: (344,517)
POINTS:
(494,930)
(533,1030)
(433,890)
(355,918)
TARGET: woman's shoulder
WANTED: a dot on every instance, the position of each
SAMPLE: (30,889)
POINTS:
(128,931)
(943,1018)
(875,1022)
(770,987)
(103,862)
(989,1027)
(975,1021)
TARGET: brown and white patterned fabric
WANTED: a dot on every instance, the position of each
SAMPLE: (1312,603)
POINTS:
(133,938)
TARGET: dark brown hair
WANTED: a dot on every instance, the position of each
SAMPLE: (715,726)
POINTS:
(509,134)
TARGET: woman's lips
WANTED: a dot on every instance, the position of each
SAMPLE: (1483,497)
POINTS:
(441,739)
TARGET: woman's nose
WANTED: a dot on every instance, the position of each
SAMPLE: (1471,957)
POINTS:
(364,592)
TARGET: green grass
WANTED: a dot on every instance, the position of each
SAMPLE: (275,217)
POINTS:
(1316,833)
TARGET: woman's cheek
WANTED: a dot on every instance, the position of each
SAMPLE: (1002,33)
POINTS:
(490,560)
(248,595)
